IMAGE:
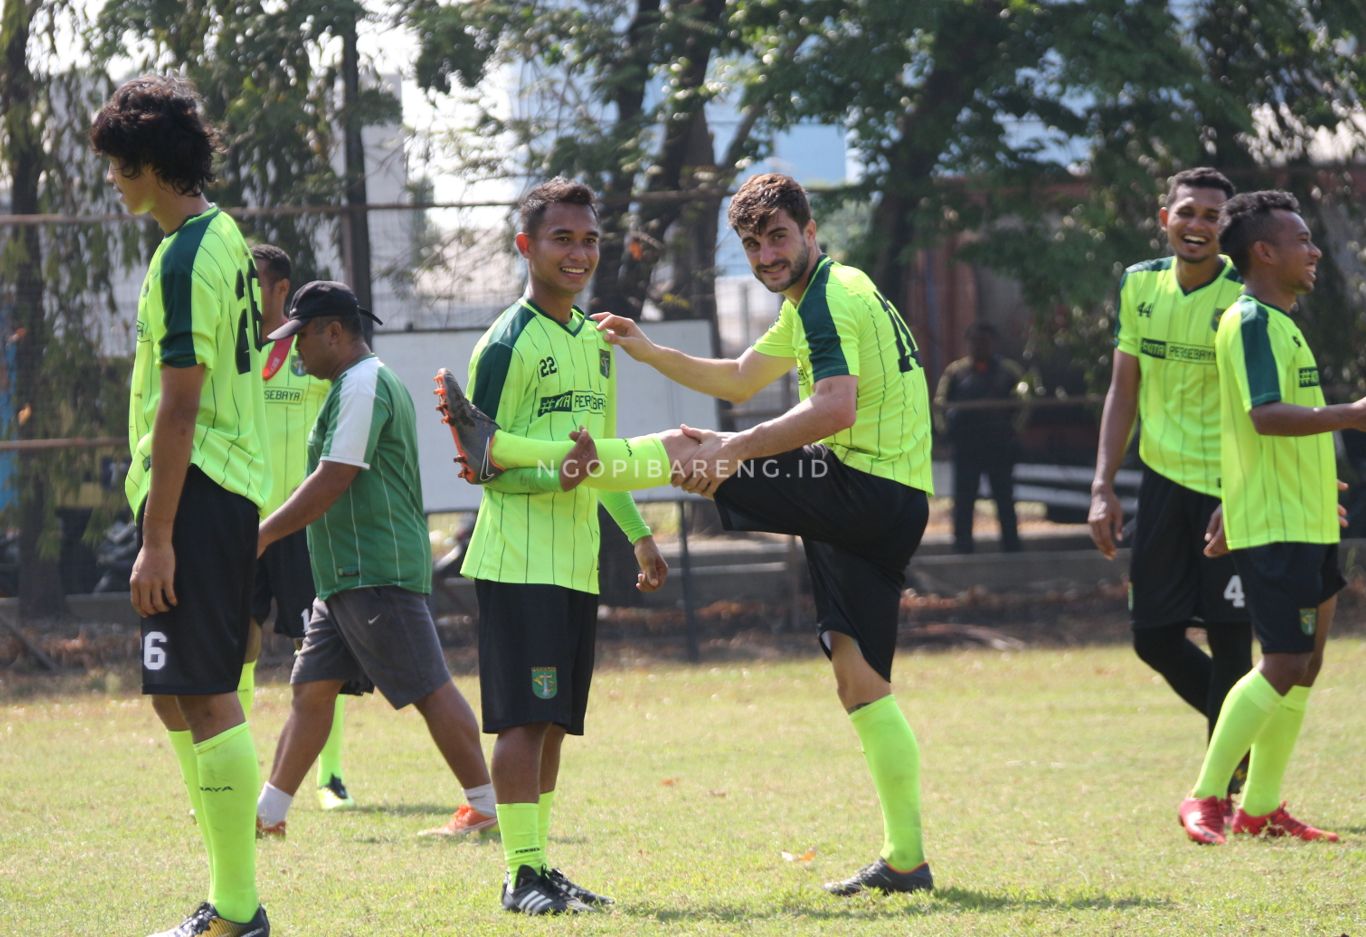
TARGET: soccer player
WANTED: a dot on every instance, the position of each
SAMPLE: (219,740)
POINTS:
(283,577)
(1164,373)
(847,469)
(544,370)
(1279,517)
(371,559)
(196,421)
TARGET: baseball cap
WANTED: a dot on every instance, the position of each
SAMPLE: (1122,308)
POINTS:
(318,299)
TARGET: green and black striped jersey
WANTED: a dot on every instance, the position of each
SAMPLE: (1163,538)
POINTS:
(844,326)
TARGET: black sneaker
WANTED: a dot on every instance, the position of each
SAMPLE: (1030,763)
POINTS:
(577,892)
(884,878)
(205,922)
(533,893)
(471,428)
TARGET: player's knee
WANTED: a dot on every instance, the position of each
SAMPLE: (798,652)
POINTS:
(313,698)
(1156,647)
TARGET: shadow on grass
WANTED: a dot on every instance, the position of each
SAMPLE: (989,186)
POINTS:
(941,901)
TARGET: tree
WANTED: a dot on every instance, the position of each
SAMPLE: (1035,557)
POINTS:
(56,282)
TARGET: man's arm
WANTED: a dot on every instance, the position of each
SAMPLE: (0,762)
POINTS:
(151,586)
(1288,419)
(732,379)
(1106,516)
(831,408)
(310,501)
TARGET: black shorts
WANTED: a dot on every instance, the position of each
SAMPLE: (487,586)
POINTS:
(859,531)
(1170,578)
(1285,584)
(198,646)
(536,646)
(284,577)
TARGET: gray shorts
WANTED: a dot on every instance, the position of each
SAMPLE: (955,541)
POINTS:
(382,635)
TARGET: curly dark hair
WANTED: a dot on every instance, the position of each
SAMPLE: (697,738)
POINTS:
(274,260)
(1248,218)
(156,122)
(558,191)
(1202,177)
(761,197)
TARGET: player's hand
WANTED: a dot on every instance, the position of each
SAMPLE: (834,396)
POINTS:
(625,333)
(1106,518)
(710,465)
(1342,508)
(653,569)
(1216,544)
(151,587)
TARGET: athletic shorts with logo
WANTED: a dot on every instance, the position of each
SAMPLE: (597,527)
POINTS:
(859,532)
(197,647)
(284,578)
(536,645)
(1170,578)
(1285,583)
(378,637)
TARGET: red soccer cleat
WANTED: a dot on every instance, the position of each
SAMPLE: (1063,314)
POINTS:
(1279,823)
(1203,820)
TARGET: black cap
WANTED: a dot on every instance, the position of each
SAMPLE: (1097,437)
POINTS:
(316,300)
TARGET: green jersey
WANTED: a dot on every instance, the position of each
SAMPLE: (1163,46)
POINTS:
(542,379)
(844,326)
(200,306)
(1171,333)
(293,400)
(375,534)
(1276,489)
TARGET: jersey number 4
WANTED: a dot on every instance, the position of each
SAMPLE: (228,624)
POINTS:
(248,320)
(1233,592)
(907,355)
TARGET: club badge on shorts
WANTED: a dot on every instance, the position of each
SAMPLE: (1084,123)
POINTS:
(1309,620)
(545,682)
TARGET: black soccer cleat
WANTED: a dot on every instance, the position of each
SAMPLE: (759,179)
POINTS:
(534,893)
(578,892)
(205,922)
(471,428)
(882,877)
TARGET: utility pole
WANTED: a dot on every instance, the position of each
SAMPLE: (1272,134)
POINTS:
(356,224)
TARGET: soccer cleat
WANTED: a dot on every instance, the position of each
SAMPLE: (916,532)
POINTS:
(471,428)
(533,893)
(333,795)
(464,822)
(1279,823)
(1203,819)
(270,830)
(882,877)
(577,892)
(1228,809)
(205,922)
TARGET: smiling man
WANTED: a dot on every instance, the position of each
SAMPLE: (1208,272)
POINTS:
(543,371)
(1279,517)
(1164,373)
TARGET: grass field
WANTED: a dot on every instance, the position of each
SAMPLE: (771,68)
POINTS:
(1050,785)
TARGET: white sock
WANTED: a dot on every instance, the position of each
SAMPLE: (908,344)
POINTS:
(481,798)
(273,804)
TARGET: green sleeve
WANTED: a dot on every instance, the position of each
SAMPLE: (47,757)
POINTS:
(535,480)
(625,514)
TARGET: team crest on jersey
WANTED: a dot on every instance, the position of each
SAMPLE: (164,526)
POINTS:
(545,682)
(296,366)
(605,362)
(1309,620)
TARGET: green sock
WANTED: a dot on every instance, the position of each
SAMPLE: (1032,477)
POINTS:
(246,687)
(1271,753)
(547,802)
(520,825)
(329,759)
(1246,711)
(228,781)
(894,761)
(627,464)
(182,743)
